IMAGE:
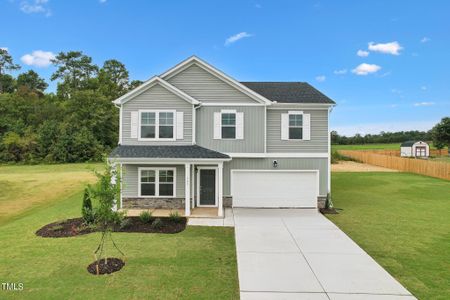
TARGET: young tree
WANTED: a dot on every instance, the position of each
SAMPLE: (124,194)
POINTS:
(441,134)
(6,64)
(7,83)
(75,70)
(31,81)
(106,192)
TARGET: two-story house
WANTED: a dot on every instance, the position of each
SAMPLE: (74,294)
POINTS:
(195,137)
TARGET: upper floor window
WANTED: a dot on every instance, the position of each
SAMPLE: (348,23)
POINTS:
(157,125)
(296,126)
(228,125)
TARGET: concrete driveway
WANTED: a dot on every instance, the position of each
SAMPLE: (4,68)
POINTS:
(300,254)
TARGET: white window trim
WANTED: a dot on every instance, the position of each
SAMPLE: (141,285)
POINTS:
(295,113)
(157,181)
(228,111)
(174,137)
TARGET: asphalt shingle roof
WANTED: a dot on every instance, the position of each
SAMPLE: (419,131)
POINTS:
(190,151)
(289,92)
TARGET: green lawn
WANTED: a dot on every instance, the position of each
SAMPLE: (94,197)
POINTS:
(403,221)
(198,263)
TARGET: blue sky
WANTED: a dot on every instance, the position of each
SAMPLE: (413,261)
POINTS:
(399,80)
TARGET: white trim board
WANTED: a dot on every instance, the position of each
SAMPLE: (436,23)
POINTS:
(279,155)
(219,74)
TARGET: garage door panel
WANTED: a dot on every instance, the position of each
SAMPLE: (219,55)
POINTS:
(274,188)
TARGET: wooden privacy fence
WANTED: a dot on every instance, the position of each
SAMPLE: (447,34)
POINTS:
(433,152)
(419,166)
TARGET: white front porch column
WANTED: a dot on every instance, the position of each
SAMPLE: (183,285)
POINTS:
(220,179)
(187,190)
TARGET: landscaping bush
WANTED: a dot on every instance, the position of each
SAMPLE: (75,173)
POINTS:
(146,216)
(336,157)
(126,222)
(174,216)
(157,224)
(87,212)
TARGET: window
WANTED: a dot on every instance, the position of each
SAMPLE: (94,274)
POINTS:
(295,126)
(228,125)
(157,182)
(157,125)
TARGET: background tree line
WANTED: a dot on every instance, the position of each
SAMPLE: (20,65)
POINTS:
(78,123)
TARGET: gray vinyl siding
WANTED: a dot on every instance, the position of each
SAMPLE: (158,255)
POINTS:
(130,179)
(206,87)
(156,97)
(253,141)
(319,133)
(320,164)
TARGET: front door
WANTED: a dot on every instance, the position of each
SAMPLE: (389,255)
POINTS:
(207,187)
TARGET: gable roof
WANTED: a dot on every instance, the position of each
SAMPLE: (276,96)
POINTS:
(219,74)
(410,143)
(189,151)
(151,82)
(289,92)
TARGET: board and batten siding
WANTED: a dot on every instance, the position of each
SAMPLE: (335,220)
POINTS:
(156,97)
(130,179)
(206,87)
(319,133)
(253,141)
(320,164)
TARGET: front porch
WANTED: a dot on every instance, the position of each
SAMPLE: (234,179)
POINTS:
(188,179)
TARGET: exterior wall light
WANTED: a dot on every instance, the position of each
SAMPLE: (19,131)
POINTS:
(275,163)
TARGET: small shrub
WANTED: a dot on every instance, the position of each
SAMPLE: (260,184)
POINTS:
(89,215)
(157,223)
(146,216)
(126,222)
(329,202)
(117,217)
(174,216)
(336,157)
(57,228)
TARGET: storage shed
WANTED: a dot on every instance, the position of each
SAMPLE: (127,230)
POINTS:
(414,149)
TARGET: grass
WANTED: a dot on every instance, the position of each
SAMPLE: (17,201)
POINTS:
(441,159)
(198,263)
(401,220)
(25,188)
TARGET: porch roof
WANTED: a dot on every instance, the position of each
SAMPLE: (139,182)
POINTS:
(165,152)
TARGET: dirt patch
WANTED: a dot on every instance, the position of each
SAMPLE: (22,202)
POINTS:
(108,266)
(351,166)
(66,228)
(74,227)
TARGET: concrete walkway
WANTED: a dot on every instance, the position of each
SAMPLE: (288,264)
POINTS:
(300,254)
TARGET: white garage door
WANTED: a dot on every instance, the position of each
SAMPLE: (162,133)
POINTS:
(261,188)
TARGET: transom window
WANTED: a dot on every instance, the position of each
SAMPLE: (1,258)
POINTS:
(228,125)
(295,126)
(157,125)
(157,182)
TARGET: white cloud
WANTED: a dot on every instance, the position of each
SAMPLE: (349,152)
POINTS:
(234,38)
(387,48)
(321,78)
(417,104)
(340,72)
(38,58)
(364,69)
(425,39)
(35,6)
(375,128)
(362,53)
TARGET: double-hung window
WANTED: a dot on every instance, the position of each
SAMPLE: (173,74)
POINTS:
(228,125)
(157,125)
(295,126)
(154,182)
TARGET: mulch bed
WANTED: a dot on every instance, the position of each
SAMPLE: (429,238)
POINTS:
(74,227)
(112,265)
(329,211)
(66,228)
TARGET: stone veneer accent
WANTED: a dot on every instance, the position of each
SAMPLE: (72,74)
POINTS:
(227,201)
(321,201)
(165,203)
